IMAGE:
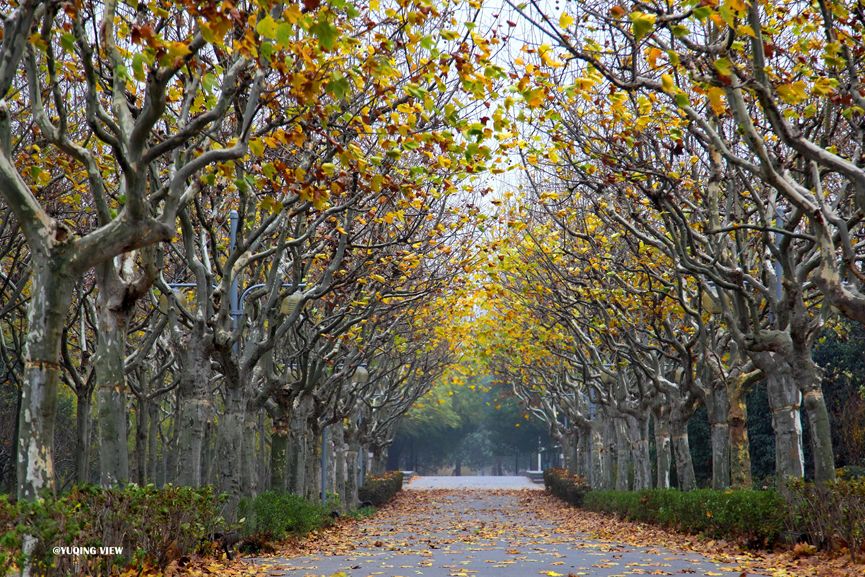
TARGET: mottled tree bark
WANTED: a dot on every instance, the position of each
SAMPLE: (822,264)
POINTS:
(785,402)
(195,407)
(248,472)
(112,316)
(663,449)
(806,375)
(623,455)
(152,441)
(279,439)
(339,467)
(718,407)
(141,427)
(740,449)
(230,443)
(638,431)
(82,438)
(682,453)
(49,301)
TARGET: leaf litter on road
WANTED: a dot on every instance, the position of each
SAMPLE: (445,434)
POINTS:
(444,533)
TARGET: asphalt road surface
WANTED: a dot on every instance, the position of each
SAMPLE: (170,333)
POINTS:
(479,533)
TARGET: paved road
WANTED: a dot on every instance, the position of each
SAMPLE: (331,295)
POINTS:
(473,483)
(480,534)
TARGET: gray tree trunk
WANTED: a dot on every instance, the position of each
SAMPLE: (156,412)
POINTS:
(600,476)
(152,440)
(230,443)
(682,454)
(248,460)
(141,444)
(805,373)
(623,455)
(663,451)
(82,439)
(340,465)
(785,402)
(112,316)
(718,407)
(52,293)
(638,431)
(821,435)
(279,439)
(195,408)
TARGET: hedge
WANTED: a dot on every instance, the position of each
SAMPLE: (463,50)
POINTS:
(274,515)
(378,490)
(567,487)
(754,518)
(152,525)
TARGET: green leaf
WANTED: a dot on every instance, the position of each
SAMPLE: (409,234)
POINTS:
(679,30)
(326,33)
(642,24)
(702,12)
(338,85)
(138,67)
(724,66)
(284,32)
(67,41)
(267,27)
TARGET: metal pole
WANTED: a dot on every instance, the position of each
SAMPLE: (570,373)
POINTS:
(233,297)
(324,452)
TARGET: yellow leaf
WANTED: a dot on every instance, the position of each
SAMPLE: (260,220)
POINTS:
(566,20)
(256,146)
(716,100)
(793,92)
(667,83)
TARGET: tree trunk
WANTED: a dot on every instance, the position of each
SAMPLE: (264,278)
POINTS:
(248,460)
(111,399)
(623,455)
(663,454)
(718,407)
(279,453)
(682,453)
(195,408)
(821,435)
(82,438)
(153,440)
(599,474)
(141,444)
(230,441)
(805,374)
(609,451)
(52,293)
(312,487)
(339,466)
(785,400)
(638,431)
(740,449)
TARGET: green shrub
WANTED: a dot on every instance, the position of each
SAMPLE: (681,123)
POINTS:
(274,515)
(151,525)
(378,490)
(755,518)
(567,487)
